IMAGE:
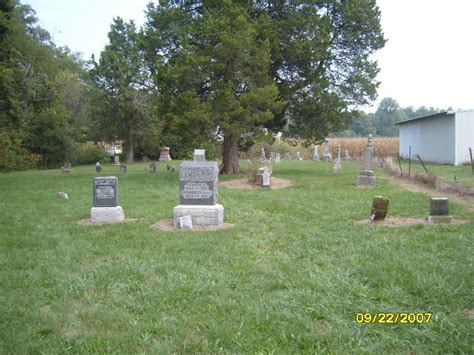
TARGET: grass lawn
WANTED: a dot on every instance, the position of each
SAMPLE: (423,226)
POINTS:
(290,276)
(447,173)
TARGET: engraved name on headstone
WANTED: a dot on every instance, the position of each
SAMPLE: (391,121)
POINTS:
(198,183)
(105,191)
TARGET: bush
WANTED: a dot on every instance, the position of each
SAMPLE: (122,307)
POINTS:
(13,156)
(88,153)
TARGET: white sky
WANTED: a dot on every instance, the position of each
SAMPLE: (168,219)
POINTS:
(427,61)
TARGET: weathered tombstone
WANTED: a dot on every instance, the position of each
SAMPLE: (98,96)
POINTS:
(263,157)
(165,154)
(272,157)
(105,201)
(298,156)
(366,176)
(288,156)
(348,157)
(379,208)
(266,179)
(153,167)
(199,155)
(98,167)
(116,160)
(337,164)
(439,210)
(198,194)
(186,222)
(263,176)
(123,168)
(62,196)
(277,158)
(315,153)
(66,168)
(326,152)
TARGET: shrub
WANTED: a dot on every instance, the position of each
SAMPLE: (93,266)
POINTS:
(13,156)
(88,153)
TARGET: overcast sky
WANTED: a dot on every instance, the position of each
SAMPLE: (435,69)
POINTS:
(427,61)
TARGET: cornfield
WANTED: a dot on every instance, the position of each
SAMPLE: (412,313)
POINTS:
(383,146)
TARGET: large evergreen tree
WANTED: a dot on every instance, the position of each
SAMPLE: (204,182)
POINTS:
(247,65)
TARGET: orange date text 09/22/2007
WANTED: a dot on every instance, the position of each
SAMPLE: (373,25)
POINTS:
(394,317)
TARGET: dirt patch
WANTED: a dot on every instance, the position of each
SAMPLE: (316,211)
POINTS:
(276,184)
(87,221)
(405,221)
(442,189)
(167,225)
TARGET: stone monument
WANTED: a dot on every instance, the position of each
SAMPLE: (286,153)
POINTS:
(198,194)
(199,155)
(105,200)
(326,152)
(315,153)
(298,156)
(348,157)
(263,176)
(439,210)
(366,176)
(116,160)
(277,158)
(165,154)
(337,164)
(153,167)
(379,208)
(98,167)
(288,156)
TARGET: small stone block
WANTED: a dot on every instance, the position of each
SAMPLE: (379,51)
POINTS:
(62,196)
(186,222)
(201,215)
(439,206)
(439,219)
(107,214)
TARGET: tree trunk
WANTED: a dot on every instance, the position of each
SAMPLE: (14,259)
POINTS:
(230,155)
(129,158)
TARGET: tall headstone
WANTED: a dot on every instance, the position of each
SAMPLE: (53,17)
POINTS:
(366,176)
(288,156)
(348,157)
(439,210)
(337,164)
(165,154)
(326,152)
(98,167)
(198,194)
(105,201)
(116,160)
(298,156)
(199,155)
(272,157)
(315,153)
(277,158)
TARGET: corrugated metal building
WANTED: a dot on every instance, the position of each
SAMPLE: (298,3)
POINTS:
(443,137)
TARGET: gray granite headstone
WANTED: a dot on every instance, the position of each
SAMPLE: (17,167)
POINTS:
(337,163)
(98,167)
(105,191)
(116,160)
(439,206)
(315,152)
(277,158)
(198,183)
(266,178)
(366,176)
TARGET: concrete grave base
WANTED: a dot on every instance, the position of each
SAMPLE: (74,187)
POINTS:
(201,215)
(439,219)
(107,214)
(366,178)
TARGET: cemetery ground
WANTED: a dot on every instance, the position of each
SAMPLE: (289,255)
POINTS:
(290,276)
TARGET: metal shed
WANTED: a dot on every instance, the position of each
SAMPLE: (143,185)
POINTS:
(443,137)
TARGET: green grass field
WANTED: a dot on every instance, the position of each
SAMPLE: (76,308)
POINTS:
(289,277)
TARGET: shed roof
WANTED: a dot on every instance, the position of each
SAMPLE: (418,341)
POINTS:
(434,115)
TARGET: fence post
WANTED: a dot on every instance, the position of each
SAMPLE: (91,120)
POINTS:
(400,165)
(472,163)
(421,161)
(409,161)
